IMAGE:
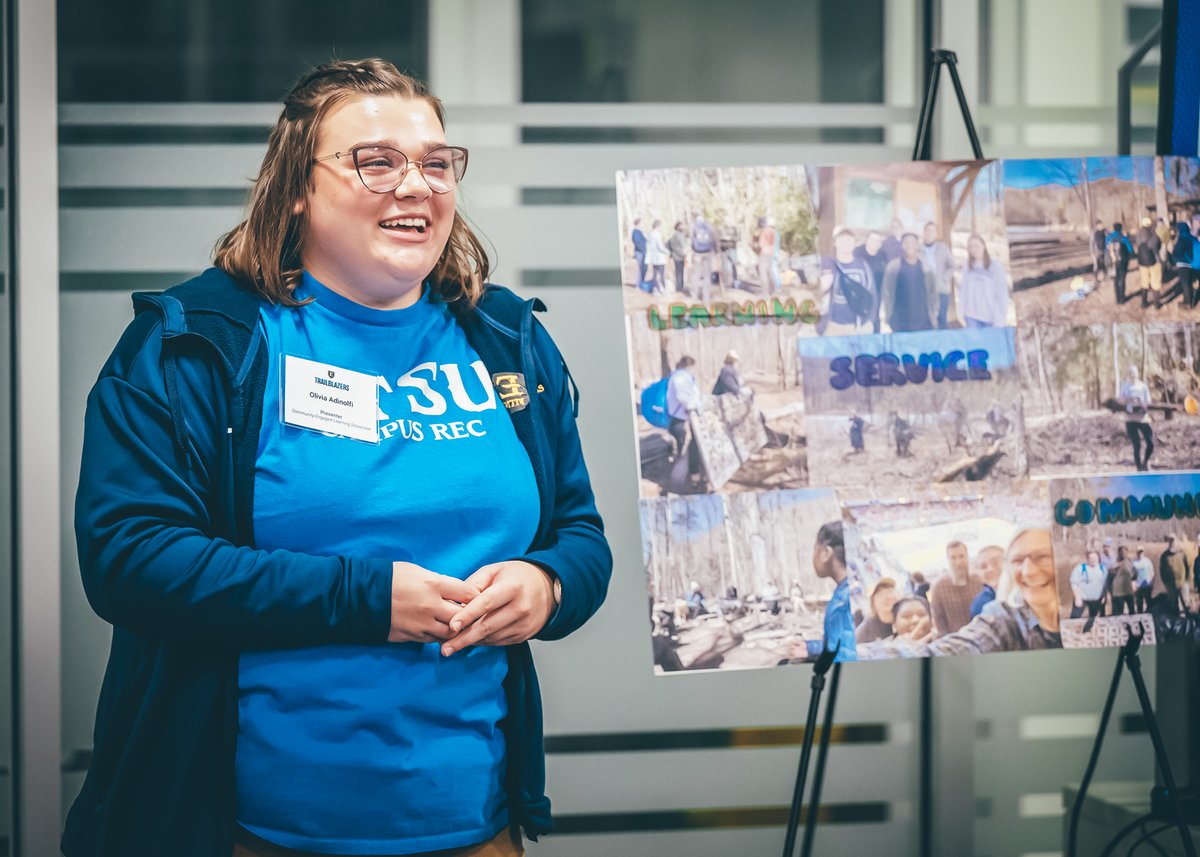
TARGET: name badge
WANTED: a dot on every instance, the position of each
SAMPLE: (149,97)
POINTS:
(330,399)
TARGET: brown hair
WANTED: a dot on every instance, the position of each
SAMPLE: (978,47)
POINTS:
(264,250)
(987,257)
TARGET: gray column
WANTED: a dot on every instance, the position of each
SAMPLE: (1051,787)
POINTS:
(35,212)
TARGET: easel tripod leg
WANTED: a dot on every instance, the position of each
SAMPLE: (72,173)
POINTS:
(814,799)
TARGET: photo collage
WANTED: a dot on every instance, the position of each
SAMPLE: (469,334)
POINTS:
(914,409)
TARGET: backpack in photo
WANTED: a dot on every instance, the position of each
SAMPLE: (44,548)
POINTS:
(858,298)
(654,404)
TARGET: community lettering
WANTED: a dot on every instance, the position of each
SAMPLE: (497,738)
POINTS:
(896,370)
(1116,510)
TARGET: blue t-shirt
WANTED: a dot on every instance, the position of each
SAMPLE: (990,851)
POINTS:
(839,623)
(388,748)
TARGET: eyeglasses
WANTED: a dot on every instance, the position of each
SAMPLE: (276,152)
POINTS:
(382,169)
(1036,557)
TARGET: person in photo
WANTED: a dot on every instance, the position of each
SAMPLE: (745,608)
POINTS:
(638,239)
(1147,248)
(1135,397)
(1183,264)
(893,245)
(729,380)
(983,294)
(1108,555)
(913,619)
(683,397)
(989,565)
(1120,582)
(1099,247)
(1089,585)
(857,424)
(1143,579)
(829,562)
(766,246)
(878,623)
(656,258)
(902,433)
(1120,253)
(848,299)
(705,249)
(909,296)
(872,252)
(677,245)
(1173,571)
(940,260)
(952,593)
(771,598)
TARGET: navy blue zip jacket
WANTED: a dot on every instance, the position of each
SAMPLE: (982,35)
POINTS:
(166,549)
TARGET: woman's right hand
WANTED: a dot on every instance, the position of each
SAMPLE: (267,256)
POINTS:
(423,603)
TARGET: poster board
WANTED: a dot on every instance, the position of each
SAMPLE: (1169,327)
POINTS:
(885,380)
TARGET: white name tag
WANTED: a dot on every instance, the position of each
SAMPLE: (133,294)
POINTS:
(330,399)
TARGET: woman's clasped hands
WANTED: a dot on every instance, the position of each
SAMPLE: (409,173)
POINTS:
(501,604)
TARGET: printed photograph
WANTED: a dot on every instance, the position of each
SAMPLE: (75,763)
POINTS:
(912,409)
(1107,398)
(912,246)
(731,240)
(1103,239)
(1126,546)
(939,574)
(717,410)
(742,581)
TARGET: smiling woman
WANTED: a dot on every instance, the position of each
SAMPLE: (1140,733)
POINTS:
(377,248)
(315,606)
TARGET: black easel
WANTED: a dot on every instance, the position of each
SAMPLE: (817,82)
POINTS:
(921,152)
(939,58)
(1128,658)
(824,662)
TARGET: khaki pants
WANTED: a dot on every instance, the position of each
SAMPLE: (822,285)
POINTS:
(506,843)
(1151,276)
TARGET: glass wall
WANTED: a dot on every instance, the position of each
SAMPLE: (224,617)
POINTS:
(779,52)
(172,51)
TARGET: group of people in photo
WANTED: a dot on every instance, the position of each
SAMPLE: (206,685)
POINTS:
(906,282)
(683,397)
(698,259)
(999,599)
(1167,256)
(1116,578)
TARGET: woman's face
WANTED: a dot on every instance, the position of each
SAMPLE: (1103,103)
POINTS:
(346,246)
(1031,560)
(907,617)
(975,250)
(883,602)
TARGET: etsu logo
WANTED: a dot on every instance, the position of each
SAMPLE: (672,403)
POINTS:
(440,390)
(511,386)
(331,374)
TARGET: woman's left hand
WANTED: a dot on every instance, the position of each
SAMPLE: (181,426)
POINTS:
(516,598)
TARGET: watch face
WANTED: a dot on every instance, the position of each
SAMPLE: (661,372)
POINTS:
(557,591)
